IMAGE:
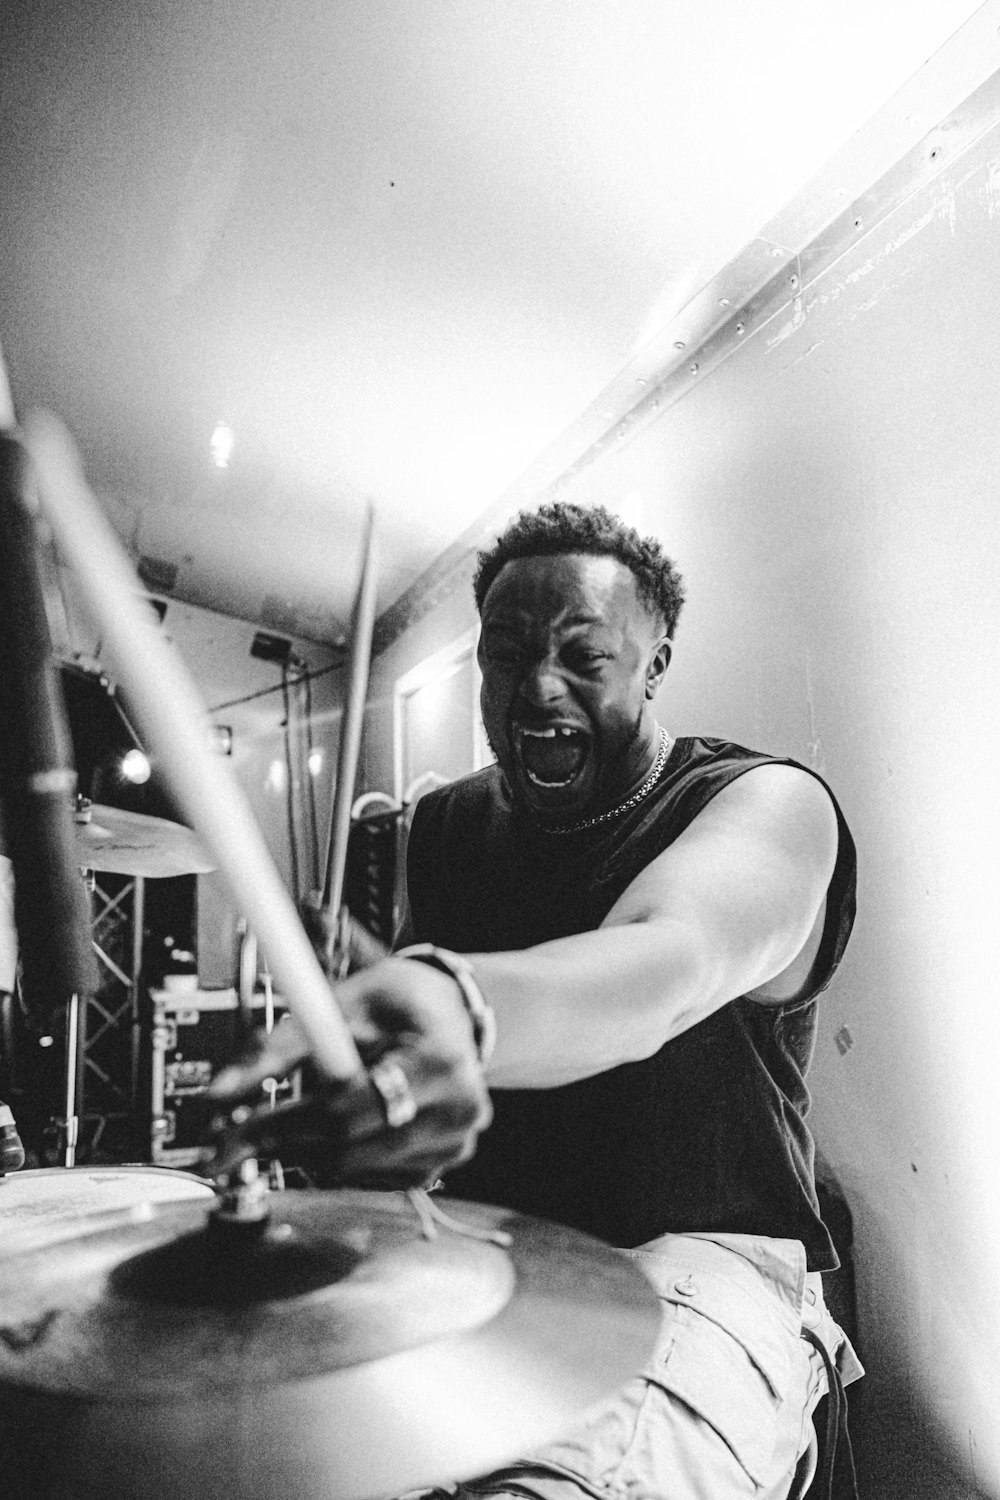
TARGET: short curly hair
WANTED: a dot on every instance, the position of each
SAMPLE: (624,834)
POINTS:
(564,527)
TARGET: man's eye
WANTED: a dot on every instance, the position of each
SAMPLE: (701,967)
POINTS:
(586,661)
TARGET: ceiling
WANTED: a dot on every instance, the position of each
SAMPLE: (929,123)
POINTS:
(396,246)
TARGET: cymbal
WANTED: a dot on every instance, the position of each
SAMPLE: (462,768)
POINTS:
(337,1353)
(130,843)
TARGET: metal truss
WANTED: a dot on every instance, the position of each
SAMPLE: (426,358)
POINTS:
(110,1018)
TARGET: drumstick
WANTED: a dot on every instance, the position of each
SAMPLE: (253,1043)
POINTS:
(175,724)
(350,730)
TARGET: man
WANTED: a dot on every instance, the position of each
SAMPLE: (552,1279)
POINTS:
(650,922)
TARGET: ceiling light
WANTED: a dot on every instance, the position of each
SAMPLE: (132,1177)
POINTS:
(222,445)
(221,739)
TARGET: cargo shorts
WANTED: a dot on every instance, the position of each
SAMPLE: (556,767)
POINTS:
(723,1407)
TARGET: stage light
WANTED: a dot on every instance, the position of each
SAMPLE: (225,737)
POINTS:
(315,762)
(135,767)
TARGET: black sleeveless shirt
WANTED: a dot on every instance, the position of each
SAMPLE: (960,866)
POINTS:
(706,1135)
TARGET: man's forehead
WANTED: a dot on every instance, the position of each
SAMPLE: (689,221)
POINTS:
(587,583)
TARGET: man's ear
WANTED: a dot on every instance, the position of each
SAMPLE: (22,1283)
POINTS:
(658,664)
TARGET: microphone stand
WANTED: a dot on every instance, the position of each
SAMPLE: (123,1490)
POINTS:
(37,782)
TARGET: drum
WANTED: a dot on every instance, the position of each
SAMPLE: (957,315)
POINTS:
(46,1203)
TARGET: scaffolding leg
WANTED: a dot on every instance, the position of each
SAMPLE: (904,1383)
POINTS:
(138,923)
(75,1043)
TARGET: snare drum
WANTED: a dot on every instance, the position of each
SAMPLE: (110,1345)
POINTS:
(44,1203)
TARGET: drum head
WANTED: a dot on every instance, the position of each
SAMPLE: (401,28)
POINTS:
(41,1205)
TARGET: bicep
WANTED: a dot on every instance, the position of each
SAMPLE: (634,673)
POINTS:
(743,886)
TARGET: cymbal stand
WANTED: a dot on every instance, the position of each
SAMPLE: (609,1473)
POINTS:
(247,984)
(69,1125)
(74,1065)
(271,1084)
(244,1199)
(247,980)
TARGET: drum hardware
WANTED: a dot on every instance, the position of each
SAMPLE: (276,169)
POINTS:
(69,1125)
(244,1200)
(246,991)
(43,1204)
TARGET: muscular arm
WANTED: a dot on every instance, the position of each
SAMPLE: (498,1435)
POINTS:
(733,907)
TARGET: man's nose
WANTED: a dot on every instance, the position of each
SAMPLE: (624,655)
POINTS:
(543,682)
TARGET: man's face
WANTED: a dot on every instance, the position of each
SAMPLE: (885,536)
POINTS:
(571,659)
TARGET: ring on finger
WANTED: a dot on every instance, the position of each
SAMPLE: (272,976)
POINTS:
(393,1088)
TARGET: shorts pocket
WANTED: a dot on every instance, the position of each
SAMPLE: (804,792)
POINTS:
(725,1355)
(702,1417)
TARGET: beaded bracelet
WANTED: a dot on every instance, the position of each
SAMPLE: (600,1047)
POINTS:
(480,1011)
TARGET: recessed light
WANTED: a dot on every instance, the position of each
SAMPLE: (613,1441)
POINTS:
(222,445)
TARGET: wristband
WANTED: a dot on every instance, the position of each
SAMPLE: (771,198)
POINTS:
(478,1008)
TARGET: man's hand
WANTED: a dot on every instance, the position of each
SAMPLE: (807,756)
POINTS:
(402,1015)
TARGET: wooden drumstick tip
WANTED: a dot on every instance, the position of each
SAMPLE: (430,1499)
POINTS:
(8,417)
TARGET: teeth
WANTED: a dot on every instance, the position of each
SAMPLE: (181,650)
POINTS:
(550,732)
(547,784)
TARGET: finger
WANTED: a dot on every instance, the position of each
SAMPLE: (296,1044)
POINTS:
(267,1132)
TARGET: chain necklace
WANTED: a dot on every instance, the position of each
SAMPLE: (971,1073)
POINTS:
(636,797)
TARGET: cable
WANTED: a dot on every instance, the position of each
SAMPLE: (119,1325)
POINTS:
(219,708)
(837,1479)
(310,779)
(293,851)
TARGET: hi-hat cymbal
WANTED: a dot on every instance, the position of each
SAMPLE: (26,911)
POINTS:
(130,843)
(339,1355)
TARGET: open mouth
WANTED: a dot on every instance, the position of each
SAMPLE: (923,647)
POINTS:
(551,758)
